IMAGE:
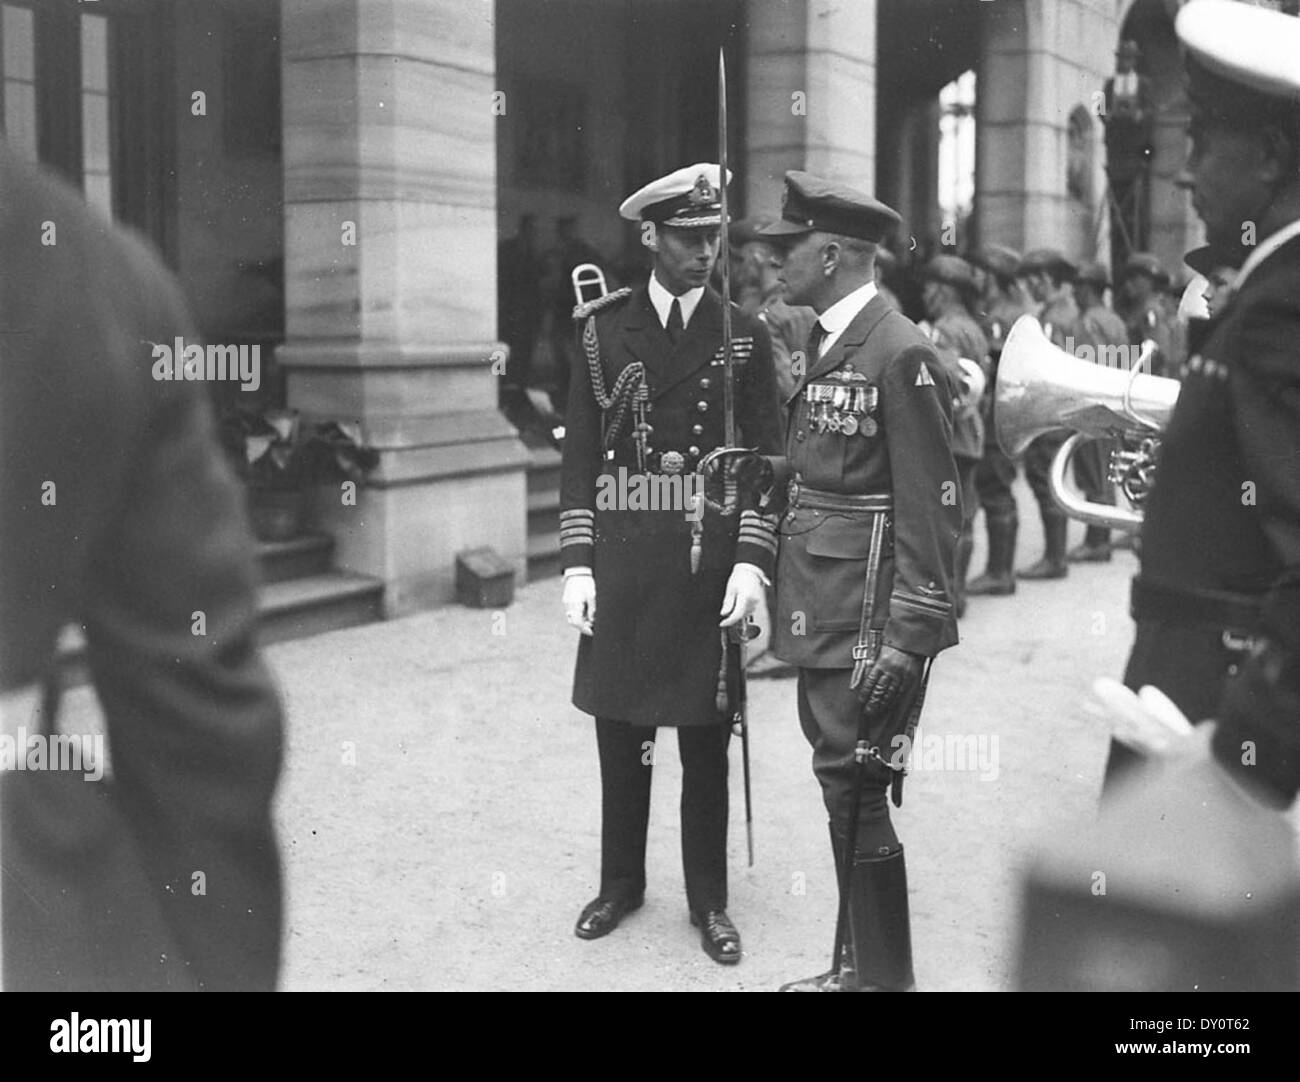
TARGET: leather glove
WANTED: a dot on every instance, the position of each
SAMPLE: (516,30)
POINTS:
(744,592)
(580,602)
(752,473)
(891,680)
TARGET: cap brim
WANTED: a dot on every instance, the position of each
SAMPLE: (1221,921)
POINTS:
(784,229)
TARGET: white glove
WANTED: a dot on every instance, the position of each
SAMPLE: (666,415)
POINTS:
(973,380)
(744,594)
(1148,721)
(580,602)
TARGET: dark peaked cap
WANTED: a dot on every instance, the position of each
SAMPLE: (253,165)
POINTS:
(1093,273)
(811,204)
(951,270)
(1047,259)
(997,258)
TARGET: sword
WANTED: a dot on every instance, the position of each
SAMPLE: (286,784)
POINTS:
(740,633)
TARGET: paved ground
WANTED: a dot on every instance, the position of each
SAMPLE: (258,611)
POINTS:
(440,806)
(458,849)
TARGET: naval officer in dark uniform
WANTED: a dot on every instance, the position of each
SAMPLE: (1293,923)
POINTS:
(646,403)
(1217,602)
(867,548)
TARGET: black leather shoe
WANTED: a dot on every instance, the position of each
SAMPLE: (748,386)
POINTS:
(718,936)
(600,917)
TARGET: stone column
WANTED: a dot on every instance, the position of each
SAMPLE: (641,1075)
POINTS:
(390,279)
(1038,62)
(810,95)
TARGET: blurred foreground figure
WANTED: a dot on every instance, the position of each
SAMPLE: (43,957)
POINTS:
(1186,880)
(120,516)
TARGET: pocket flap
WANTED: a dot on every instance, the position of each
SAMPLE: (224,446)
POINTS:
(841,537)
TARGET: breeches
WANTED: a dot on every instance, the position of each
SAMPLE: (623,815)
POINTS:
(828,714)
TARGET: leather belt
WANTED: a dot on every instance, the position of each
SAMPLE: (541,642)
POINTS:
(802,496)
(1217,609)
(669,463)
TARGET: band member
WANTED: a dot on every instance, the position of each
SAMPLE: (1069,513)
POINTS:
(1217,602)
(647,402)
(1002,304)
(1219,271)
(949,286)
(1144,314)
(1047,275)
(868,541)
(1101,330)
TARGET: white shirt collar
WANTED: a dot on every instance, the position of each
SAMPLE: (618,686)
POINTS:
(1264,250)
(843,312)
(663,301)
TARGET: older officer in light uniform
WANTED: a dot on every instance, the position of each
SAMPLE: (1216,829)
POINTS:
(647,398)
(868,543)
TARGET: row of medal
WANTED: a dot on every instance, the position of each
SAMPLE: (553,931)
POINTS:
(843,407)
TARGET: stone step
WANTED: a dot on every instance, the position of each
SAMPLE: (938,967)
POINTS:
(310,554)
(293,609)
(543,513)
(315,604)
(543,554)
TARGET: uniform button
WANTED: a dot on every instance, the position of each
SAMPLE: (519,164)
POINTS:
(694,452)
(697,430)
(702,406)
(1232,670)
(706,383)
(799,435)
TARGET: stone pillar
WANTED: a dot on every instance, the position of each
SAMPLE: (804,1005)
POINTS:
(389,141)
(1038,62)
(811,95)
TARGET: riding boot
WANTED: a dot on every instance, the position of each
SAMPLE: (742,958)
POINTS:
(842,979)
(998,580)
(882,929)
(1053,564)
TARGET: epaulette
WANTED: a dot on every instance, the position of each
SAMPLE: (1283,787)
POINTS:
(590,308)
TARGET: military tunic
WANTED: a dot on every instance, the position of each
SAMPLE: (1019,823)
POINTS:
(900,449)
(958,334)
(655,653)
(1151,322)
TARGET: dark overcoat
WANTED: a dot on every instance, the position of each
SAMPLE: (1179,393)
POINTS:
(656,651)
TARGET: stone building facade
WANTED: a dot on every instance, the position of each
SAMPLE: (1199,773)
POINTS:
(342,195)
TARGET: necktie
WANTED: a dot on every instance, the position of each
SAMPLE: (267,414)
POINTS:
(815,341)
(675,324)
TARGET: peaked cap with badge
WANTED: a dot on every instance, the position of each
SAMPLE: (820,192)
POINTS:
(687,198)
(810,204)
